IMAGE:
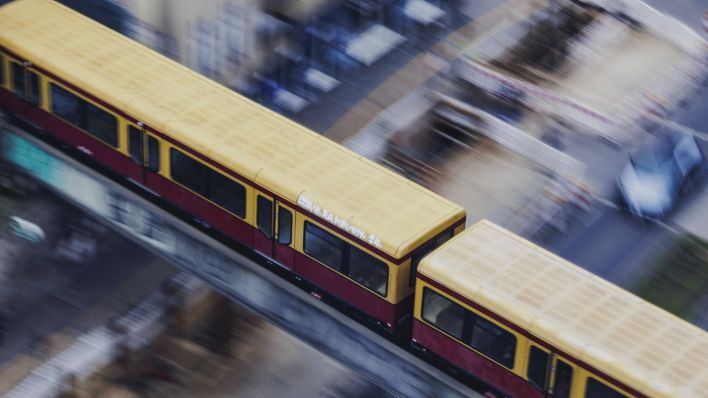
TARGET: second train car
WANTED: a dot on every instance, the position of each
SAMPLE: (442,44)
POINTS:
(531,324)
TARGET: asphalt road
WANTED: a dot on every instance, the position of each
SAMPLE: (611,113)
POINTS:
(610,244)
(606,241)
(47,295)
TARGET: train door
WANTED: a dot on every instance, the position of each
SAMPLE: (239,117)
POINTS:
(144,150)
(283,246)
(274,237)
(25,86)
(561,378)
(538,369)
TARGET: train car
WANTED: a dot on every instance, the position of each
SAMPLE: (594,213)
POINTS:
(346,225)
(531,324)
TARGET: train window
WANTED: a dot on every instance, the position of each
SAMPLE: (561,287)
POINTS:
(538,367)
(442,312)
(423,251)
(32,94)
(101,124)
(18,79)
(598,389)
(66,105)
(2,70)
(135,144)
(323,246)
(493,341)
(264,216)
(154,154)
(225,192)
(368,270)
(285,226)
(188,172)
(564,378)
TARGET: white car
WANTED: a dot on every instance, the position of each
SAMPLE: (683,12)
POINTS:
(658,173)
(25,229)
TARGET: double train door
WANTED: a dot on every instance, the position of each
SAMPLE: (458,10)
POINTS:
(25,86)
(144,151)
(549,373)
(561,377)
(274,237)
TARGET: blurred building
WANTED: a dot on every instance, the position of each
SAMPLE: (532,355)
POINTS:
(220,39)
(282,53)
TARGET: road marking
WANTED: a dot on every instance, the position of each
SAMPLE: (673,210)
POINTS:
(668,227)
(606,202)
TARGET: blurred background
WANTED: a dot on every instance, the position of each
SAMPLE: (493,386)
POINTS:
(580,125)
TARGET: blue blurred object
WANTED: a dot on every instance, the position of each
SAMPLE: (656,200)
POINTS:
(658,173)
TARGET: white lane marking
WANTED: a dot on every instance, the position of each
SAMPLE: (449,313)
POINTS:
(606,202)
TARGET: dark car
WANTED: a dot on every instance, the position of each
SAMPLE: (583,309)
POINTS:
(659,172)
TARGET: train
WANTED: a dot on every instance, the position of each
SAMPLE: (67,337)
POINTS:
(479,300)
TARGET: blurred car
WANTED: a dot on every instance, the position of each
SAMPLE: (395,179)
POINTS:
(658,173)
(26,230)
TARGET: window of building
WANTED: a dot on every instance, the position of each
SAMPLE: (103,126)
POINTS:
(538,367)
(66,105)
(285,226)
(135,144)
(101,124)
(323,246)
(442,312)
(226,192)
(493,341)
(154,155)
(188,172)
(564,378)
(598,389)
(423,251)
(368,270)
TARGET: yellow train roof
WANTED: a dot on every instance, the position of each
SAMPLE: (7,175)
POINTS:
(279,154)
(593,320)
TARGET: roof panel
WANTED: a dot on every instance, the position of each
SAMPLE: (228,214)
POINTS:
(649,349)
(237,133)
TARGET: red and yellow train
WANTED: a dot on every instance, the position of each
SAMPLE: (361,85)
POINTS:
(485,302)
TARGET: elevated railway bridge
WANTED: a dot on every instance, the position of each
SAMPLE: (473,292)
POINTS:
(238,276)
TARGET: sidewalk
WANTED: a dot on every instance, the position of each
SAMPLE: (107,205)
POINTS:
(374,98)
(357,84)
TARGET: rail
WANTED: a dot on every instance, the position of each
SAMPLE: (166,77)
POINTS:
(237,277)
